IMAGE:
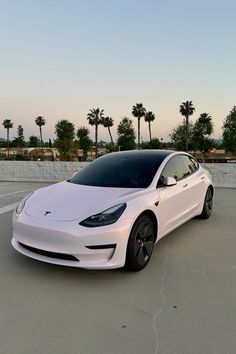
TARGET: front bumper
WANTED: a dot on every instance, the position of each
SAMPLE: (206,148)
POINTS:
(69,244)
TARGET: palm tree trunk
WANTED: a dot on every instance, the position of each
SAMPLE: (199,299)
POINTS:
(109,130)
(8,143)
(41,138)
(96,140)
(150,134)
(187,126)
(138,133)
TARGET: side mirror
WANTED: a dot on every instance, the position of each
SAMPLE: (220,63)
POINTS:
(170,181)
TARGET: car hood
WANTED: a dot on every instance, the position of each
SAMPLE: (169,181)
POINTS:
(66,201)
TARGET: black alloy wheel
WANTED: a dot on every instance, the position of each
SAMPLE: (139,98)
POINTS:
(208,203)
(140,244)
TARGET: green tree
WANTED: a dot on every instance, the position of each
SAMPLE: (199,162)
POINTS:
(167,145)
(110,147)
(108,123)
(40,122)
(102,144)
(33,141)
(95,117)
(126,135)
(202,130)
(178,136)
(7,125)
(84,142)
(153,144)
(3,143)
(48,144)
(149,117)
(19,140)
(138,111)
(229,131)
(187,109)
(64,142)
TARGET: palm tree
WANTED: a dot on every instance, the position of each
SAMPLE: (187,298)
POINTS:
(149,117)
(7,125)
(95,117)
(138,111)
(40,121)
(186,109)
(108,123)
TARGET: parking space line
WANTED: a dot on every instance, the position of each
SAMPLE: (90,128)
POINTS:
(8,208)
(21,191)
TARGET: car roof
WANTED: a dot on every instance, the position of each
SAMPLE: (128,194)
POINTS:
(151,153)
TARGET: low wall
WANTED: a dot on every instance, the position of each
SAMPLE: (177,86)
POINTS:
(38,171)
(224,174)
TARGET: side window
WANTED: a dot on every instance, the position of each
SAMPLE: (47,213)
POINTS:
(189,165)
(173,168)
(194,162)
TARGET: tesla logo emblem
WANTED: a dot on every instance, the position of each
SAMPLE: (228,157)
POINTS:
(47,212)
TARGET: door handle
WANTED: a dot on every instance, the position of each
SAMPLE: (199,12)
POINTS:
(202,177)
(185,185)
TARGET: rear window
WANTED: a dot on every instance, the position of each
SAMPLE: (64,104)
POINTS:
(122,170)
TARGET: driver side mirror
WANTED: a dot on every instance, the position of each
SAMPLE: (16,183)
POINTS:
(170,181)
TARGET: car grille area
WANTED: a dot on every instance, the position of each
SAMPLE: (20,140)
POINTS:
(65,257)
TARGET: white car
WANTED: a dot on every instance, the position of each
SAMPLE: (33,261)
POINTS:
(112,212)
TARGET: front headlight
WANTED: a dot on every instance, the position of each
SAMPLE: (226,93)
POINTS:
(107,217)
(21,205)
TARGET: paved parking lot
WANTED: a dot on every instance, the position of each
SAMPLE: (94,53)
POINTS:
(183,302)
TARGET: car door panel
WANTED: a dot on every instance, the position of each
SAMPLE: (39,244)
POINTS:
(182,201)
(173,209)
(172,198)
(194,177)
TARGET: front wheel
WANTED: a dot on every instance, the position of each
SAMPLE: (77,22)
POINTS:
(207,206)
(140,244)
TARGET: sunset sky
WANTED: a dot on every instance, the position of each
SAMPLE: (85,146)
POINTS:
(60,58)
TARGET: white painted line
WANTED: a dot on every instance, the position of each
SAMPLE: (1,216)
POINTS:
(24,190)
(8,208)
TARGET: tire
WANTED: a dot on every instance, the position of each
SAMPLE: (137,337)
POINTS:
(207,206)
(140,244)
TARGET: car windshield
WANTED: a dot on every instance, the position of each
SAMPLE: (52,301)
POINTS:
(121,170)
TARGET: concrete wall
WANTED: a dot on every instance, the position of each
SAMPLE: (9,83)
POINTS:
(38,171)
(224,174)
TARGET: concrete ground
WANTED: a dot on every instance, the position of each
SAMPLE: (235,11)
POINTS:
(183,302)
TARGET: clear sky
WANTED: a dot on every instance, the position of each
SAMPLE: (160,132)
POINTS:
(60,58)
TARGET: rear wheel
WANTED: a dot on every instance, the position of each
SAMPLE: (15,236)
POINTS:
(140,244)
(207,207)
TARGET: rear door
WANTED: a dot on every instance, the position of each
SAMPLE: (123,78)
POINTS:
(195,184)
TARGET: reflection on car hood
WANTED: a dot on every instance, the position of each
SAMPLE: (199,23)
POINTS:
(67,201)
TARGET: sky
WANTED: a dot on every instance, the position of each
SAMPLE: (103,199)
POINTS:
(61,58)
